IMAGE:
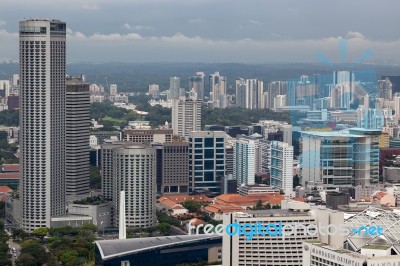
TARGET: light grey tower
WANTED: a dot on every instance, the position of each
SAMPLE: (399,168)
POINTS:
(42,120)
(77,119)
(196,82)
(135,173)
(174,87)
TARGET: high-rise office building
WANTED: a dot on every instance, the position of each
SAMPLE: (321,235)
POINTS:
(395,80)
(174,88)
(107,169)
(241,93)
(196,82)
(206,160)
(154,91)
(135,173)
(4,88)
(281,173)
(42,120)
(218,90)
(370,118)
(274,89)
(249,93)
(244,164)
(172,167)
(342,92)
(186,116)
(77,121)
(385,89)
(113,89)
(342,159)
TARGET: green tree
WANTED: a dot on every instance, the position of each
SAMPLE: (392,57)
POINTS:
(268,206)
(37,251)
(40,232)
(164,229)
(259,205)
(19,234)
(69,256)
(91,228)
(192,206)
(25,259)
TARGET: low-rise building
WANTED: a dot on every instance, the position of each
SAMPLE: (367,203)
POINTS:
(100,213)
(167,250)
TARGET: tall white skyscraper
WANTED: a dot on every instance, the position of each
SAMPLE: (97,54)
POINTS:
(281,164)
(244,162)
(186,116)
(42,120)
(249,93)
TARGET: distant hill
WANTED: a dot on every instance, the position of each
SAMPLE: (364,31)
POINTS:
(132,77)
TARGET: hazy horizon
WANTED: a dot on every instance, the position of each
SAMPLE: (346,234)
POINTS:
(255,31)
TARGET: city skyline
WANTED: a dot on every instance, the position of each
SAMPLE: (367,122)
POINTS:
(193,31)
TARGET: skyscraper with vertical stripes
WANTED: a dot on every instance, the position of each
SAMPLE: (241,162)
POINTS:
(42,120)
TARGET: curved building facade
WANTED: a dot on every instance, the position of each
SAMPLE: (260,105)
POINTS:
(134,170)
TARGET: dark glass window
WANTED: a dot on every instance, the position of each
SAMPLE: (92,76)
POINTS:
(209,142)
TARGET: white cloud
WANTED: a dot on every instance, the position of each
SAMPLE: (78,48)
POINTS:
(91,47)
(354,35)
(104,37)
(137,27)
(195,20)
(252,21)
(2,22)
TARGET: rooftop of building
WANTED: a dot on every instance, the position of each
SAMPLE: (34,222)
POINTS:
(271,213)
(95,200)
(331,134)
(180,198)
(15,175)
(10,167)
(120,247)
(5,189)
(240,200)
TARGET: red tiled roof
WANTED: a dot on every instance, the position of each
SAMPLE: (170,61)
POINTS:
(166,202)
(215,208)
(178,207)
(16,175)
(10,168)
(196,221)
(239,200)
(5,189)
(180,198)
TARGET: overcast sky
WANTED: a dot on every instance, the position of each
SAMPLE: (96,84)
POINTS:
(245,31)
